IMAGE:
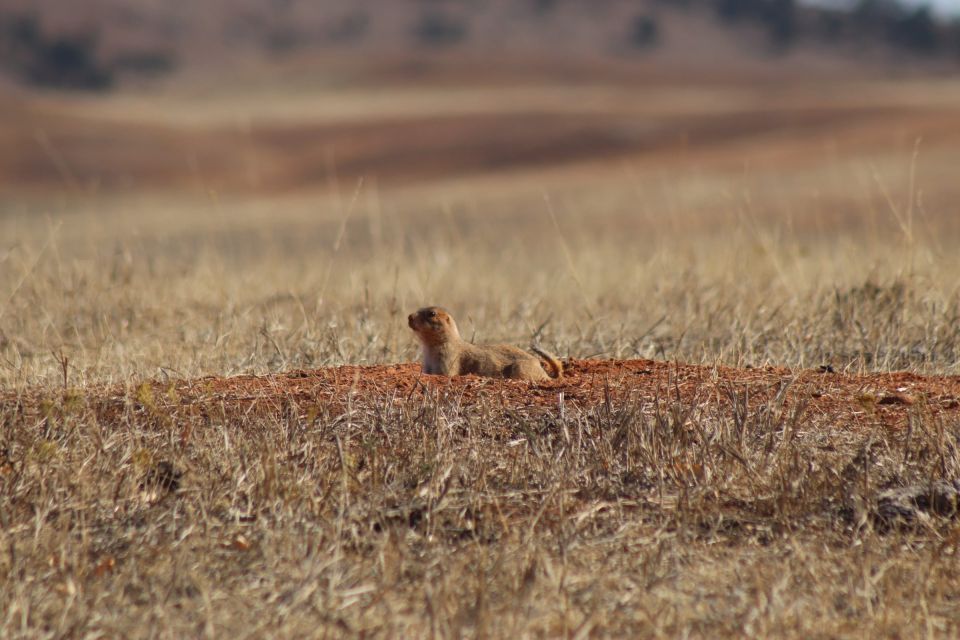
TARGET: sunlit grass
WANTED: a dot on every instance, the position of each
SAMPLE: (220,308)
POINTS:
(128,509)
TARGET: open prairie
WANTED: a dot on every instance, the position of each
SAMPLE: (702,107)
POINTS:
(211,424)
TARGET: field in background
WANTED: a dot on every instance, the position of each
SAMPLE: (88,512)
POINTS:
(150,239)
(217,232)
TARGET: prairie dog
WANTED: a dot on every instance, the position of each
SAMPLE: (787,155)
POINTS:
(446,353)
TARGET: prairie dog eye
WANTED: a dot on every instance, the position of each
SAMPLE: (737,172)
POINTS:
(433,313)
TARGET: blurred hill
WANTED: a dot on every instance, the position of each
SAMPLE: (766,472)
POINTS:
(270,99)
(97,44)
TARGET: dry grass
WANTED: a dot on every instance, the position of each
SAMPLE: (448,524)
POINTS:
(228,299)
(656,516)
(641,515)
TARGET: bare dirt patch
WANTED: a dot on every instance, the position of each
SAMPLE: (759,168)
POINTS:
(878,400)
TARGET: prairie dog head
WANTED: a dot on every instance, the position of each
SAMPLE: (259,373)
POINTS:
(433,325)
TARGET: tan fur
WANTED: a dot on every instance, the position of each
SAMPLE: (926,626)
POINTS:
(446,353)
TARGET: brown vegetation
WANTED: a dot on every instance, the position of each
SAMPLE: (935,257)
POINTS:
(640,498)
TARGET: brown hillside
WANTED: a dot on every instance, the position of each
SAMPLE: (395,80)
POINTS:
(599,36)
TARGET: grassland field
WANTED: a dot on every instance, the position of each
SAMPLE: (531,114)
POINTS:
(211,426)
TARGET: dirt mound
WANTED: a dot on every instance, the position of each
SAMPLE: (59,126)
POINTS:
(882,400)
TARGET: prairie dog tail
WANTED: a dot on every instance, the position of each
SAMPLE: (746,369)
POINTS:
(554,363)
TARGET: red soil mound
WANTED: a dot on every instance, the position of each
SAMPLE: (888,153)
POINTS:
(886,400)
